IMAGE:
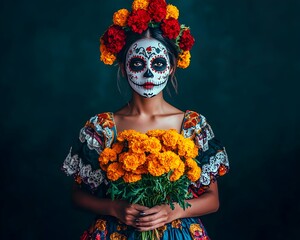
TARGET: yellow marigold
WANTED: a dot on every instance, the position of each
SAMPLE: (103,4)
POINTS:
(178,172)
(120,17)
(136,146)
(140,4)
(169,160)
(154,166)
(186,148)
(117,236)
(106,56)
(143,169)
(193,170)
(117,147)
(184,59)
(107,155)
(131,161)
(115,171)
(155,133)
(132,177)
(130,135)
(152,145)
(172,12)
(170,138)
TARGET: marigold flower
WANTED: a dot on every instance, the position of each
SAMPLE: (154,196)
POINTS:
(193,170)
(186,40)
(107,155)
(178,172)
(120,17)
(140,4)
(172,11)
(157,10)
(138,20)
(136,146)
(170,138)
(152,145)
(155,133)
(170,28)
(143,169)
(154,166)
(117,147)
(106,56)
(131,161)
(184,59)
(131,177)
(115,171)
(114,39)
(186,148)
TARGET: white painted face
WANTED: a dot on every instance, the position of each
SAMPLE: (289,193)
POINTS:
(147,67)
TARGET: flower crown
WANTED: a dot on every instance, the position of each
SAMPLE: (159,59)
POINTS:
(145,14)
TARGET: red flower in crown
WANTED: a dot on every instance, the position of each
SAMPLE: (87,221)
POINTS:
(186,41)
(170,28)
(157,10)
(138,20)
(114,39)
(149,49)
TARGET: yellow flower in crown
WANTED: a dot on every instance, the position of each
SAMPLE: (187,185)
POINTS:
(172,11)
(120,17)
(106,56)
(178,172)
(115,171)
(132,177)
(140,4)
(184,59)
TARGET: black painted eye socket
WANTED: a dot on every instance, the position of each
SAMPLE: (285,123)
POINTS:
(159,64)
(137,64)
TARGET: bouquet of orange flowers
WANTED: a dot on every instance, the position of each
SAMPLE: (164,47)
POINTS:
(151,169)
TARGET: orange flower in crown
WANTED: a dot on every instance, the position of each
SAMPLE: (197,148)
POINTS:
(146,14)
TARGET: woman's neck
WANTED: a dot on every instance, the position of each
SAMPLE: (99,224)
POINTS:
(147,106)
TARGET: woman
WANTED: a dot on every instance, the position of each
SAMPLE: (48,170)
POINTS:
(148,44)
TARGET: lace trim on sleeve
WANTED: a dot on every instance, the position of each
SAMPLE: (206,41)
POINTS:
(73,166)
(211,170)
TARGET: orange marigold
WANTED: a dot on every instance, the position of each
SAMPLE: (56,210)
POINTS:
(186,148)
(115,171)
(193,170)
(170,138)
(184,59)
(120,17)
(169,160)
(140,4)
(172,11)
(118,147)
(152,145)
(136,146)
(155,133)
(107,155)
(106,56)
(178,172)
(132,177)
(131,161)
(154,166)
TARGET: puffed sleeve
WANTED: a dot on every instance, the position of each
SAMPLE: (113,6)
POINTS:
(212,156)
(82,160)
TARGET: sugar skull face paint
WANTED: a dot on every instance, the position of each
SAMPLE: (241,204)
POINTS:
(147,67)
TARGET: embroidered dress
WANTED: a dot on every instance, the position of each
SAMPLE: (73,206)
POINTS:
(100,132)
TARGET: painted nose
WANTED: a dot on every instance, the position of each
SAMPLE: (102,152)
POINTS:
(148,74)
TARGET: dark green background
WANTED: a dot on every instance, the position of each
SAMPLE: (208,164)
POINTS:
(244,77)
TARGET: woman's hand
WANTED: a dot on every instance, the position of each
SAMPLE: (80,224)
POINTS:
(156,217)
(128,213)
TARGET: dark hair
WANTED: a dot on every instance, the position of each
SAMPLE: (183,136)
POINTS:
(155,33)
